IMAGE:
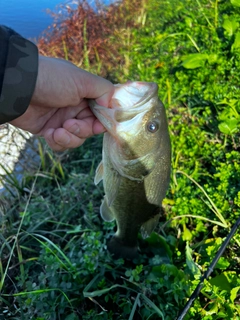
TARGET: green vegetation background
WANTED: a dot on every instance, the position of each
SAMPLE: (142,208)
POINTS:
(53,258)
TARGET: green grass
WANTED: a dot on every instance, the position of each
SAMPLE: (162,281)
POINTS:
(53,258)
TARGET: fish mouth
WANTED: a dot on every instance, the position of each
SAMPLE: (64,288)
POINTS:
(132,94)
(128,101)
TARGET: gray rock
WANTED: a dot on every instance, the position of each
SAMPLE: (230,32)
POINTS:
(18,155)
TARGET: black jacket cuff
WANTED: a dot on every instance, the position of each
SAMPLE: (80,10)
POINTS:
(19,75)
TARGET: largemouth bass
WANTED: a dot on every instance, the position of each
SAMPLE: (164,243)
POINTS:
(135,166)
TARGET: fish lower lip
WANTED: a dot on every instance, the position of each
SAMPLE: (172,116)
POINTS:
(104,117)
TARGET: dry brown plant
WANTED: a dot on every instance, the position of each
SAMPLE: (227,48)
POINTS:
(93,39)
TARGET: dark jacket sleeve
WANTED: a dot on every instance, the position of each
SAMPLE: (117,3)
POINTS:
(18,74)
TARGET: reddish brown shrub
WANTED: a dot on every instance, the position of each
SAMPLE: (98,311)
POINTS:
(91,38)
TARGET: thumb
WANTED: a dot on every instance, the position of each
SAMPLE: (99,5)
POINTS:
(91,86)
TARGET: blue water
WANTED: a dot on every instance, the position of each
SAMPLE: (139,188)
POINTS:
(29,17)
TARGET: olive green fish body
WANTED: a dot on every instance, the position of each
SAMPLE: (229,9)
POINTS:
(135,168)
(131,210)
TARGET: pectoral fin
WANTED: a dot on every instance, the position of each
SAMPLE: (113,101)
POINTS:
(99,173)
(105,211)
(148,226)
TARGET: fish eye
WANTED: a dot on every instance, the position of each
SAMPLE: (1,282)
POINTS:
(152,126)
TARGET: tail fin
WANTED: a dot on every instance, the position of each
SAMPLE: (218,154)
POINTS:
(120,250)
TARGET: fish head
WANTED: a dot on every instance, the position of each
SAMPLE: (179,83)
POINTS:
(135,119)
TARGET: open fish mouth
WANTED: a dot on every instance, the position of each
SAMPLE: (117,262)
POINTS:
(127,104)
(132,94)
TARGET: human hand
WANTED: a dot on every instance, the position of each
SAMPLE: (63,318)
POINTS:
(59,108)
